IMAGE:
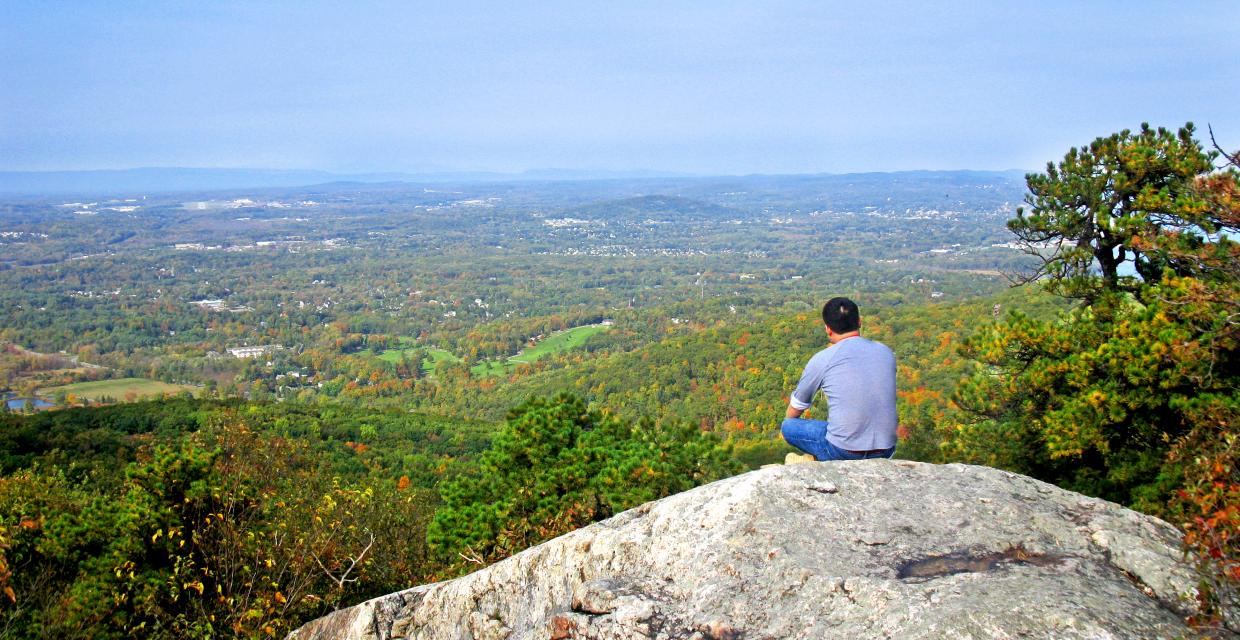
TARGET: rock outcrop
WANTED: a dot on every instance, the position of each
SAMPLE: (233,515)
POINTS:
(865,549)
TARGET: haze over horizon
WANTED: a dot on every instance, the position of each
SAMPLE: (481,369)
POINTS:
(699,88)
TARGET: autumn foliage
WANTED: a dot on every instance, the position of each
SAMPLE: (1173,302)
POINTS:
(227,531)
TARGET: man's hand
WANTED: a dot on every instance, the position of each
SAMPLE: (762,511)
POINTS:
(793,412)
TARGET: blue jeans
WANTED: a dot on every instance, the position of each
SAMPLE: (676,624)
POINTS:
(810,436)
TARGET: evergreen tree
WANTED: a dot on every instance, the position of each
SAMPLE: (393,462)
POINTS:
(1134,394)
(1088,212)
(556,466)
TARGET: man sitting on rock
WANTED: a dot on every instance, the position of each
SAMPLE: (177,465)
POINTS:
(858,377)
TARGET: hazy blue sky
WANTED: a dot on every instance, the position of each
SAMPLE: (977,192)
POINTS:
(701,87)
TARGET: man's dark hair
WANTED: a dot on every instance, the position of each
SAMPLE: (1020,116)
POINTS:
(841,315)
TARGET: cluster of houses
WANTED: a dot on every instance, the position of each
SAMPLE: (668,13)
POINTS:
(292,244)
(220,306)
(253,352)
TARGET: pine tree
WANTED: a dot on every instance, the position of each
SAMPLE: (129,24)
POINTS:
(1135,394)
(1088,212)
(557,466)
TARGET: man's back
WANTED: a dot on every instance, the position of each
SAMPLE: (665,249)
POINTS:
(858,376)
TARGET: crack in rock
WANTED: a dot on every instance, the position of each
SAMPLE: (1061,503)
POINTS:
(964,562)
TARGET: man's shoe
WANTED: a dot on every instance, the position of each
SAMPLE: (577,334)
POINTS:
(799,458)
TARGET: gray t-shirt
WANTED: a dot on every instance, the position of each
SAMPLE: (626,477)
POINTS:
(858,376)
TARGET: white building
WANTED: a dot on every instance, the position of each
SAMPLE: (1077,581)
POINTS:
(252,352)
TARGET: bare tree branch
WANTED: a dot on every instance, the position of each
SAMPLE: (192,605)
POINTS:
(471,558)
(353,562)
(1232,158)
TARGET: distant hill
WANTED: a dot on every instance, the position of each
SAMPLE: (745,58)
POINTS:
(167,179)
(652,206)
(153,179)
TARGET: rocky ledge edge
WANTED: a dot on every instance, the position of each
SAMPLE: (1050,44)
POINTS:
(872,548)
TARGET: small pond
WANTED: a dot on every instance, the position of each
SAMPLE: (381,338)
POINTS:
(18,404)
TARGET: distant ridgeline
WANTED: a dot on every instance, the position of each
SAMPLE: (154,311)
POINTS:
(172,179)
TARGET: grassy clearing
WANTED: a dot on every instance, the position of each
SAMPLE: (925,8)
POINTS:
(557,342)
(393,355)
(436,356)
(117,389)
(492,368)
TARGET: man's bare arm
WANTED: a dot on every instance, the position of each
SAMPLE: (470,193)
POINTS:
(793,412)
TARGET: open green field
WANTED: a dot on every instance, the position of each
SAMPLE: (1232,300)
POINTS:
(492,368)
(393,355)
(557,342)
(439,356)
(116,389)
(436,356)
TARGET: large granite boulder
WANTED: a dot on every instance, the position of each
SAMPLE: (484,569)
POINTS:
(865,549)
